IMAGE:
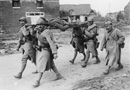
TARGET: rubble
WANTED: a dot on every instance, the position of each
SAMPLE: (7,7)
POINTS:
(7,48)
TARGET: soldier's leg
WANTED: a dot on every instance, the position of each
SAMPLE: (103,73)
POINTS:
(75,55)
(107,70)
(40,74)
(58,75)
(33,59)
(97,58)
(75,45)
(110,62)
(37,83)
(23,66)
(84,56)
(36,71)
(82,50)
(22,50)
(120,66)
(86,59)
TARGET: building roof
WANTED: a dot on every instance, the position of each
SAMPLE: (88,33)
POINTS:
(81,9)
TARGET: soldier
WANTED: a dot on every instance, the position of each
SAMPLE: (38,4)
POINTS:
(77,42)
(26,43)
(113,41)
(47,51)
(90,33)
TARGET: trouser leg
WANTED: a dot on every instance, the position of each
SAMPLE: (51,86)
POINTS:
(120,66)
(36,71)
(107,70)
(58,75)
(37,83)
(86,59)
(23,66)
(40,76)
(97,60)
(96,56)
(84,56)
(119,60)
(75,55)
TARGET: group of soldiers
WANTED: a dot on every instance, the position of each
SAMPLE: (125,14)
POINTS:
(38,45)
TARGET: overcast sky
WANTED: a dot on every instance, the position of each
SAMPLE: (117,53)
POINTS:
(102,6)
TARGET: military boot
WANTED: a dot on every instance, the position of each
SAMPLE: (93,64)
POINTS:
(97,60)
(36,84)
(84,64)
(58,77)
(119,67)
(18,76)
(106,72)
(71,61)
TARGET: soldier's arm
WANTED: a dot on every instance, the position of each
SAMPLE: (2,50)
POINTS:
(90,35)
(95,31)
(20,39)
(120,36)
(103,42)
(49,37)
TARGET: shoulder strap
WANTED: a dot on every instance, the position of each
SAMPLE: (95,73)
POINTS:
(109,35)
(91,27)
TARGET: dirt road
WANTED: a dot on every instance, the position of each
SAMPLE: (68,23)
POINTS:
(76,77)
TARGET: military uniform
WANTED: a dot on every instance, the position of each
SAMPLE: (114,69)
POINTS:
(48,48)
(90,39)
(46,51)
(112,42)
(112,47)
(90,42)
(27,46)
(26,41)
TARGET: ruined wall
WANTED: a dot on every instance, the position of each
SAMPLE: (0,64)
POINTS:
(9,16)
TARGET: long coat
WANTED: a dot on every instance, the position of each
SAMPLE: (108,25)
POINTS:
(45,56)
(111,42)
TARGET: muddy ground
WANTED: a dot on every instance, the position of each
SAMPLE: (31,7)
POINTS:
(75,77)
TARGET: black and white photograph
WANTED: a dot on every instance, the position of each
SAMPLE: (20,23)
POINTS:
(64,44)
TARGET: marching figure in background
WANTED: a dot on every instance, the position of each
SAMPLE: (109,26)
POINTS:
(47,51)
(113,41)
(77,42)
(91,42)
(26,41)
